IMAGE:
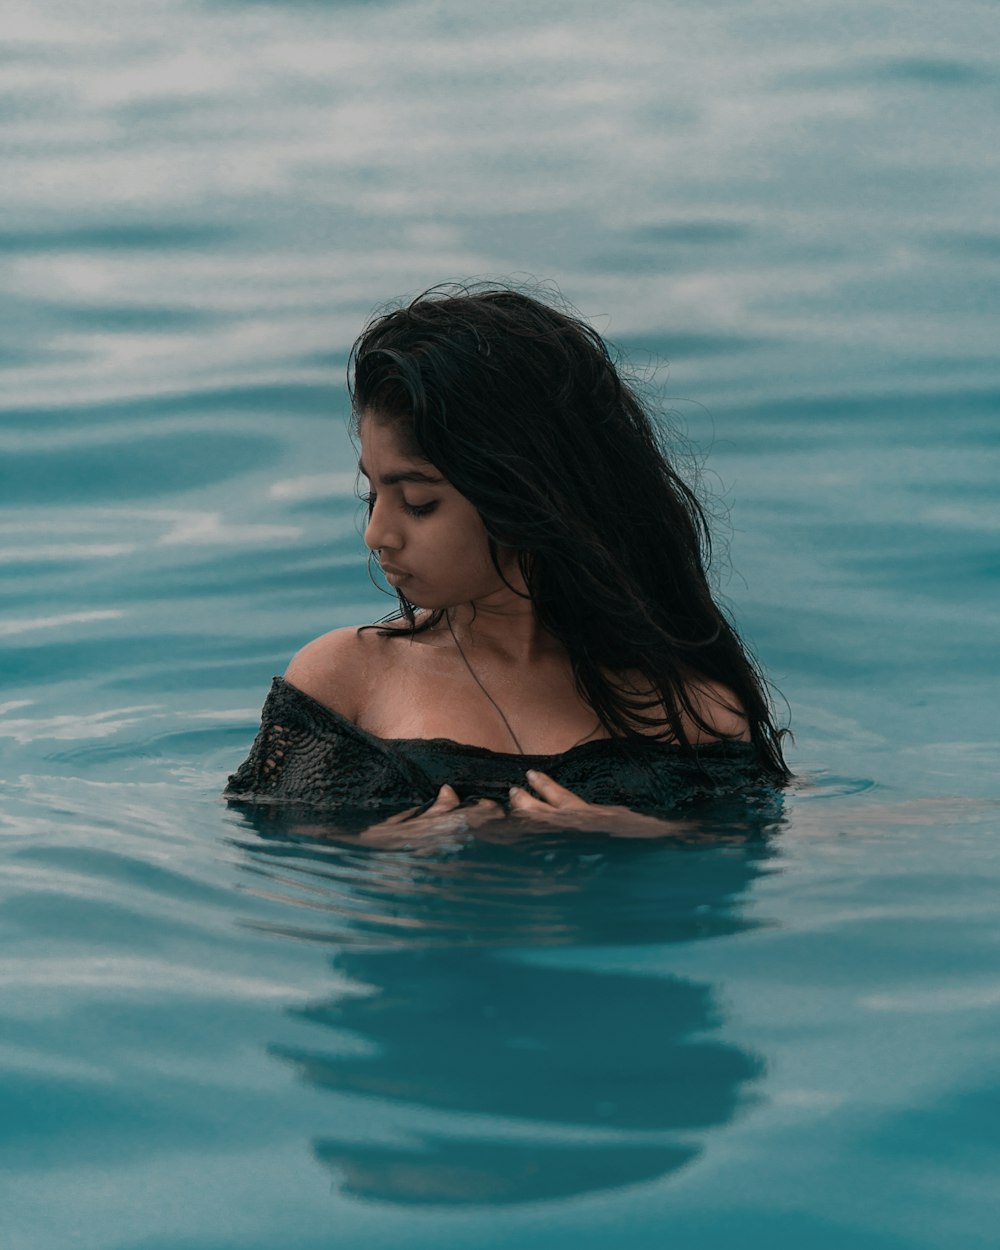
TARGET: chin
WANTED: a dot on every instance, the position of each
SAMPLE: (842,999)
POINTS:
(442,600)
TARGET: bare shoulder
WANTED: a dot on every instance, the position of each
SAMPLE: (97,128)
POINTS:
(337,668)
(722,714)
(715,714)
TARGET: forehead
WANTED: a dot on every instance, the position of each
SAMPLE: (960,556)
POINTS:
(386,440)
(387,459)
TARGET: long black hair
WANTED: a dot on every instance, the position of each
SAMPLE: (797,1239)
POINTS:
(522,409)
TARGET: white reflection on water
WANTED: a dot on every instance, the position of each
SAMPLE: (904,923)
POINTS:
(314,486)
(131,975)
(73,726)
(66,551)
(943,999)
(208,527)
(30,625)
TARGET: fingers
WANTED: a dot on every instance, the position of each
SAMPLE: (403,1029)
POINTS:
(549,795)
(401,818)
(474,811)
(522,801)
(445,801)
(425,826)
(552,793)
(482,810)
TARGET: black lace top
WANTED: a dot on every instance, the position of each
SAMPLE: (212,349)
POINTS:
(305,753)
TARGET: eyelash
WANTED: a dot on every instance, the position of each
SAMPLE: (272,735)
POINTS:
(413,510)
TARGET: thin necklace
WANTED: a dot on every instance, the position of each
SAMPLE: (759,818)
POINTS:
(472,672)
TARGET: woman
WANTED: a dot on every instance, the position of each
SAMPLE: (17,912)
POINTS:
(557,650)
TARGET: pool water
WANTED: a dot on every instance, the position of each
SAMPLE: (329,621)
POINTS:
(218,1033)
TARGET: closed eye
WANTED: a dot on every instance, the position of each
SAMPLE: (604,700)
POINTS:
(419,509)
(411,509)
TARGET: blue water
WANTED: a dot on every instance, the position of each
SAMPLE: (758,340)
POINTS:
(216,1036)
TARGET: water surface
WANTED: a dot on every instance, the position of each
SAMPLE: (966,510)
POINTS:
(216,1034)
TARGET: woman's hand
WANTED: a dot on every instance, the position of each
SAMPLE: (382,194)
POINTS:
(554,803)
(446,816)
(551,803)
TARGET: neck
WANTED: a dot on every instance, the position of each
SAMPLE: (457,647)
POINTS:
(507,629)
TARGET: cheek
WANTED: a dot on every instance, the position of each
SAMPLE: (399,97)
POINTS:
(461,531)
(470,559)
(463,550)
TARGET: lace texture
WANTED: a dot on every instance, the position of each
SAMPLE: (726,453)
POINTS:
(305,753)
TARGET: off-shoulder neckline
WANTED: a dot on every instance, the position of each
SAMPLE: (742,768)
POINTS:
(721,748)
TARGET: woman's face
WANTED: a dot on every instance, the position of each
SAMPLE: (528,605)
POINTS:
(430,541)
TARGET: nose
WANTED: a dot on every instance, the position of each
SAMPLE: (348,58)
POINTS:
(380,534)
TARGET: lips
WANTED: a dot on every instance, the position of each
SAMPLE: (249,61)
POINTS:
(390,571)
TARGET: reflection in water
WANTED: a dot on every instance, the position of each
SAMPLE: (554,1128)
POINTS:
(499,1062)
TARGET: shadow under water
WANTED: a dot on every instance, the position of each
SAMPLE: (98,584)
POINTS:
(511,1029)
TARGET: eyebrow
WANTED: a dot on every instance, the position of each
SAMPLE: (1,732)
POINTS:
(407,475)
